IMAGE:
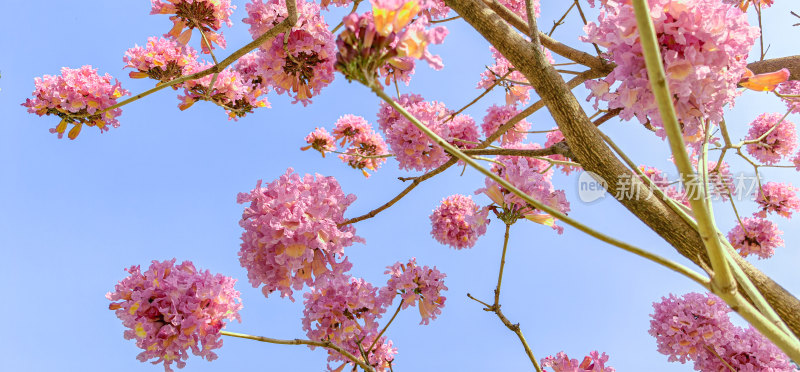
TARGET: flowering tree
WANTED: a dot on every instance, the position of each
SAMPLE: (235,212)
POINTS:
(674,66)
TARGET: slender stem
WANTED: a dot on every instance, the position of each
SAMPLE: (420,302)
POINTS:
(297,341)
(375,341)
(711,349)
(502,266)
(485,92)
(561,20)
(355,7)
(445,20)
(537,204)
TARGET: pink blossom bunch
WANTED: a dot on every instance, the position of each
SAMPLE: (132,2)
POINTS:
(704,46)
(756,236)
(79,97)
(364,143)
(463,132)
(161,59)
(345,311)
(458,222)
(791,88)
(515,92)
(553,137)
(696,327)
(777,197)
(595,362)
(320,140)
(496,116)
(291,235)
(531,176)
(303,66)
(778,143)
(249,68)
(230,91)
(419,286)
(205,15)
(170,309)
(411,147)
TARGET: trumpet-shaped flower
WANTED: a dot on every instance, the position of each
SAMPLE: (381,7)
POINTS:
(458,222)
(204,15)
(419,286)
(161,59)
(756,236)
(774,138)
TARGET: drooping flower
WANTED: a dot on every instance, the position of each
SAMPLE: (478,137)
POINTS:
(304,64)
(777,143)
(496,116)
(458,222)
(79,97)
(553,137)
(161,59)
(765,82)
(704,45)
(231,91)
(205,15)
(419,286)
(531,176)
(777,197)
(595,362)
(412,148)
(345,311)
(291,235)
(515,84)
(170,309)
(790,92)
(758,236)
(320,140)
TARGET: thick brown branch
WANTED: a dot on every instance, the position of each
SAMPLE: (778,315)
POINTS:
(594,155)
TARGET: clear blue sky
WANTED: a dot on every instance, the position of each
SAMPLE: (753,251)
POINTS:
(73,214)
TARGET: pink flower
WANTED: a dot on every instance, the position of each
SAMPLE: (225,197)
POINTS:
(231,91)
(303,66)
(170,309)
(365,145)
(458,222)
(757,236)
(161,59)
(531,176)
(777,197)
(704,46)
(205,15)
(696,327)
(418,286)
(515,92)
(320,140)
(291,235)
(79,97)
(345,311)
(249,68)
(553,137)
(496,116)
(463,132)
(791,88)
(779,143)
(592,363)
(411,147)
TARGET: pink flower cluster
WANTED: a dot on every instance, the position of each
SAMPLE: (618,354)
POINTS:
(780,198)
(463,132)
(515,92)
(170,309)
(696,327)
(161,59)
(411,147)
(496,116)
(231,91)
(704,46)
(205,15)
(291,235)
(345,311)
(531,176)
(595,362)
(320,140)
(364,143)
(553,137)
(778,143)
(458,222)
(303,66)
(756,236)
(79,97)
(419,286)
(791,88)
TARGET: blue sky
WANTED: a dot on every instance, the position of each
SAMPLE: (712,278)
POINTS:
(73,214)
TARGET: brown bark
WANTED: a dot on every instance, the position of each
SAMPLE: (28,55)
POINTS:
(594,155)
